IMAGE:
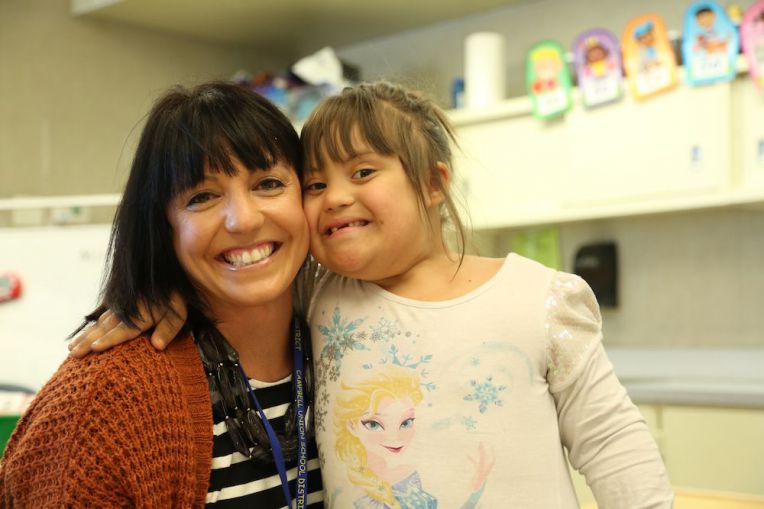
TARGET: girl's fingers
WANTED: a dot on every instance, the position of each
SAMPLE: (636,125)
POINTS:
(80,345)
(165,331)
(106,332)
(116,335)
(109,331)
(171,323)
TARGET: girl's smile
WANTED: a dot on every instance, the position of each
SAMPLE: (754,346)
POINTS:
(365,219)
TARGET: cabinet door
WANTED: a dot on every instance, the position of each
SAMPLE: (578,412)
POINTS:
(748,133)
(715,448)
(673,144)
(510,169)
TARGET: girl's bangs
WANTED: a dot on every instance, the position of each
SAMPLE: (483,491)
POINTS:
(339,129)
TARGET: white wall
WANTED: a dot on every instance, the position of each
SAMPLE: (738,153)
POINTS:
(73,89)
(688,279)
(60,270)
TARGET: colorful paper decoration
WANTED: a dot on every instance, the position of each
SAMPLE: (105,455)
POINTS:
(548,80)
(597,59)
(709,45)
(752,34)
(648,57)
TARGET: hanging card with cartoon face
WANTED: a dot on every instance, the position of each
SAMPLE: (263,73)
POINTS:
(648,57)
(548,80)
(709,44)
(752,33)
(597,59)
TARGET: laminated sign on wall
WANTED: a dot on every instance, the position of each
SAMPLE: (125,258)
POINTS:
(709,45)
(752,33)
(597,57)
(548,80)
(648,57)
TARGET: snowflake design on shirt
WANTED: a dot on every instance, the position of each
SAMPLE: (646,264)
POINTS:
(339,337)
(394,356)
(385,330)
(469,422)
(320,407)
(486,394)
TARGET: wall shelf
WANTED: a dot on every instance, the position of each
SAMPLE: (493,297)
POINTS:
(50,202)
(693,148)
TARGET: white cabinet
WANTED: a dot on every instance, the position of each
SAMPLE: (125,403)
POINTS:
(673,144)
(714,448)
(748,133)
(691,148)
(510,168)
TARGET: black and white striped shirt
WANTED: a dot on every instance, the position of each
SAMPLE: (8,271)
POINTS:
(236,481)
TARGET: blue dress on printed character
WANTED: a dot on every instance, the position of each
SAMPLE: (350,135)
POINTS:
(409,494)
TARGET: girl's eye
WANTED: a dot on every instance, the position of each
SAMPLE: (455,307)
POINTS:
(363,173)
(372,425)
(408,423)
(199,198)
(315,186)
(270,184)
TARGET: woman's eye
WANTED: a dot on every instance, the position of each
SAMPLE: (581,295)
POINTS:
(372,425)
(408,423)
(270,184)
(199,198)
(315,186)
(363,173)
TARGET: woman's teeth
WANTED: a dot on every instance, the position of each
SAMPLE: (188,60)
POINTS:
(354,223)
(244,257)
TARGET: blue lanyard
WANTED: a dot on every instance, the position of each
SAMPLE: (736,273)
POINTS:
(302,442)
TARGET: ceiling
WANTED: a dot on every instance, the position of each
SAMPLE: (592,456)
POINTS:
(288,26)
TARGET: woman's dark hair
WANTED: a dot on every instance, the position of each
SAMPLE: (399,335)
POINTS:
(187,132)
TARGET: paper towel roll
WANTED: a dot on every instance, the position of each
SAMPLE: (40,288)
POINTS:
(484,74)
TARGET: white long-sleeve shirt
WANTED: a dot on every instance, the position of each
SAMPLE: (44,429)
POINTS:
(470,402)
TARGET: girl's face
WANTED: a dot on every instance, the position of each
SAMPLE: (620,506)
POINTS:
(241,239)
(364,217)
(386,431)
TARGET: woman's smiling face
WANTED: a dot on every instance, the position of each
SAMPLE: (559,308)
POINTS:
(241,238)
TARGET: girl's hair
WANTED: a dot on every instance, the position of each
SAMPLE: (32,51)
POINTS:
(187,132)
(353,402)
(392,120)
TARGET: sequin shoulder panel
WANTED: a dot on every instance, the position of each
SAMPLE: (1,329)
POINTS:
(573,328)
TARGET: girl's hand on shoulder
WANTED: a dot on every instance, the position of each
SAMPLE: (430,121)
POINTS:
(109,331)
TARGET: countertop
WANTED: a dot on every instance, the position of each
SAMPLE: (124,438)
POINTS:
(730,377)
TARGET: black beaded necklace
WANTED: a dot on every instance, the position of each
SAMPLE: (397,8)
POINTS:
(230,395)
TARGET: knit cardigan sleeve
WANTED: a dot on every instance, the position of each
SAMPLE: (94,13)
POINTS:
(110,430)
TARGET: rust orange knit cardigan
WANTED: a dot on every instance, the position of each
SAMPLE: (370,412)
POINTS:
(131,427)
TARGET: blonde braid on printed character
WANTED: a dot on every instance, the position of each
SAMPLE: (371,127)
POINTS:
(362,398)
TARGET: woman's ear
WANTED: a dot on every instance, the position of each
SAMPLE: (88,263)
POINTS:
(440,179)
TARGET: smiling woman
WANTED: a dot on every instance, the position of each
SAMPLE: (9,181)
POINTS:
(240,238)
(211,211)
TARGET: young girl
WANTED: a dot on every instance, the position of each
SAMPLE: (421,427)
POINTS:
(508,353)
